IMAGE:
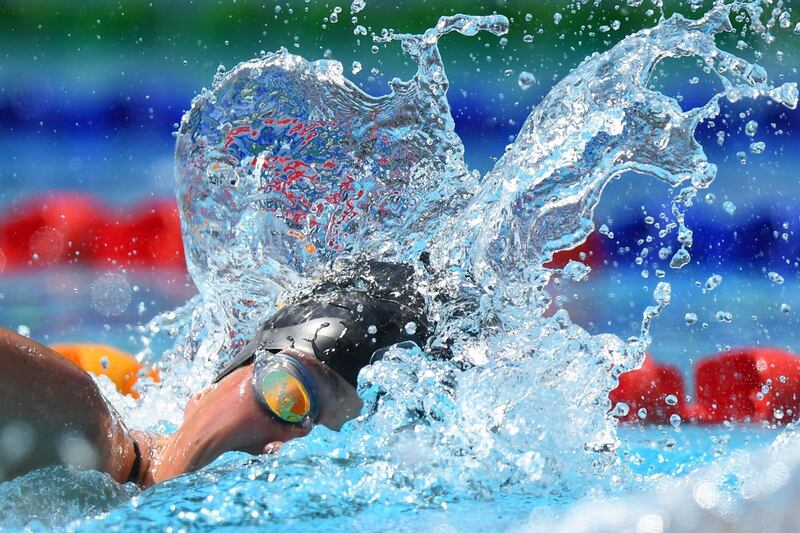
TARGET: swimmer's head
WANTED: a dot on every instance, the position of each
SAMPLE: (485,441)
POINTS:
(300,369)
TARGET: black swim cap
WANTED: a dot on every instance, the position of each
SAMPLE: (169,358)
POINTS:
(343,322)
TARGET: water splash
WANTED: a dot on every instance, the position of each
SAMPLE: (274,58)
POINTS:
(600,121)
(285,166)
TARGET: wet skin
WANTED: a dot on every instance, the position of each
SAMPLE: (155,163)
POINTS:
(56,408)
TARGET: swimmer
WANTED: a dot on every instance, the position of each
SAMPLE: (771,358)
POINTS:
(299,370)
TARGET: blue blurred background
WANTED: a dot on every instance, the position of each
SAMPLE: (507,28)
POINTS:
(91,92)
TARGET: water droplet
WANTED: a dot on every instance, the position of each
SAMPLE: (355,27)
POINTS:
(775,278)
(620,410)
(713,282)
(778,414)
(557,17)
(690,318)
(576,271)
(17,439)
(76,451)
(528,38)
(642,413)
(111,294)
(663,293)
(411,328)
(671,399)
(675,420)
(47,244)
(356,68)
(372,329)
(729,207)
(104,363)
(758,147)
(23,330)
(751,128)
(650,523)
(785,20)
(724,316)
(786,309)
(357,6)
(680,259)
(525,80)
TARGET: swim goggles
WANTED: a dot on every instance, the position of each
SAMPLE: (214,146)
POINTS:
(285,389)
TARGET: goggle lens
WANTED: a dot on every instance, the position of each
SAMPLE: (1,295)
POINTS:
(285,395)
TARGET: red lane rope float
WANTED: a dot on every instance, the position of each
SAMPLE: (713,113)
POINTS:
(755,384)
(646,391)
(76,229)
(743,385)
(749,385)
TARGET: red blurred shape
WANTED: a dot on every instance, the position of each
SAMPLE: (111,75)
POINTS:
(747,385)
(744,385)
(47,230)
(76,229)
(648,387)
(592,247)
(149,235)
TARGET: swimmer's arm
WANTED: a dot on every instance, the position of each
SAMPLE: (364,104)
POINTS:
(51,412)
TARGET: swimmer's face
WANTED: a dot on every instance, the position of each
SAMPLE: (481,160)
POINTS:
(227,417)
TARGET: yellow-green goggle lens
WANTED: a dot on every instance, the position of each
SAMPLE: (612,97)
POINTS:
(286,396)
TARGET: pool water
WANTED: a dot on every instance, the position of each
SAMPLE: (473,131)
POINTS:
(60,498)
(50,307)
(285,170)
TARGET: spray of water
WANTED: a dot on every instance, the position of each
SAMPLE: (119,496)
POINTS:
(284,166)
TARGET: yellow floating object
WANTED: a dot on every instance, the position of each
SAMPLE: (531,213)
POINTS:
(102,360)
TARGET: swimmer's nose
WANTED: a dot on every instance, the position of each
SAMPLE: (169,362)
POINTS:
(273,447)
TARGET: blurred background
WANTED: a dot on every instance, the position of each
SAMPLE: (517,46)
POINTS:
(91,93)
